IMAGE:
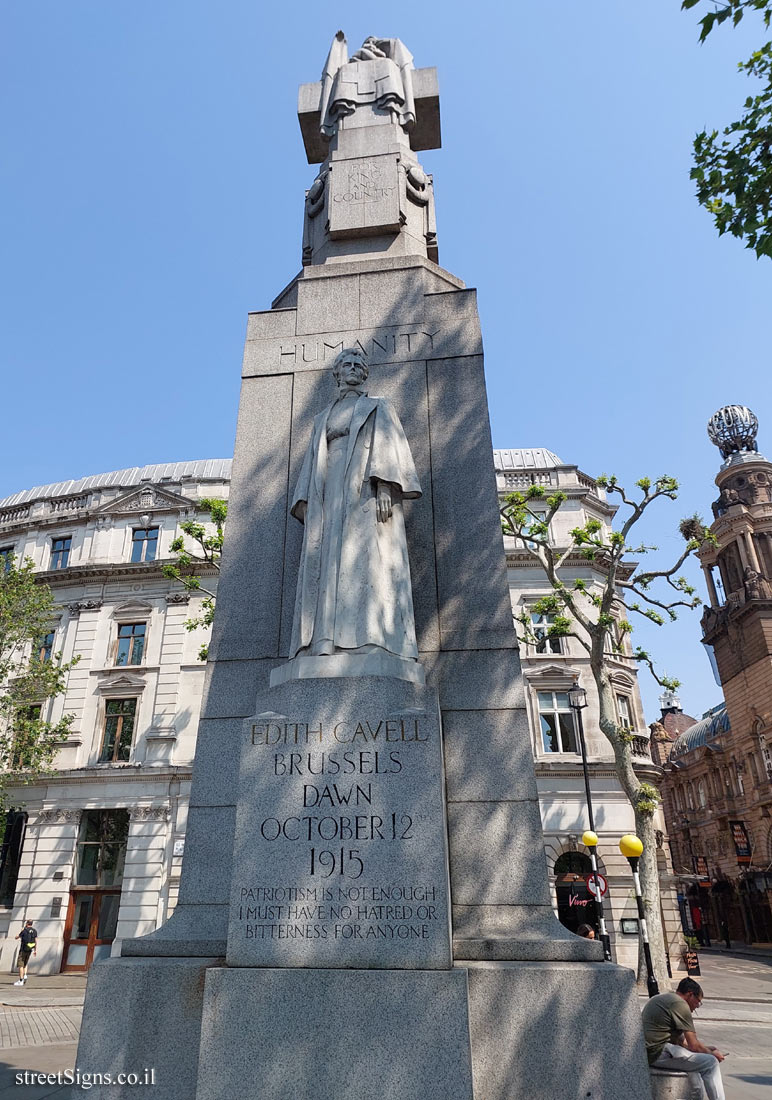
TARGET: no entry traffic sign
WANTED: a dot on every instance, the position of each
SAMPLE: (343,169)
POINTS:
(591,885)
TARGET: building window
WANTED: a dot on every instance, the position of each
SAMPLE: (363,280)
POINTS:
(6,559)
(131,643)
(532,521)
(557,722)
(10,855)
(766,756)
(119,730)
(26,735)
(702,794)
(60,552)
(624,712)
(101,848)
(144,544)
(540,624)
(46,646)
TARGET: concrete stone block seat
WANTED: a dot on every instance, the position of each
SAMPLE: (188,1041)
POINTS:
(673,1084)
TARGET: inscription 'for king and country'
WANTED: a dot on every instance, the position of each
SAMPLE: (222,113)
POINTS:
(364,183)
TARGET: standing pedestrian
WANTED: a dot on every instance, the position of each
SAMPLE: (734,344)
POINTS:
(27,947)
(725,933)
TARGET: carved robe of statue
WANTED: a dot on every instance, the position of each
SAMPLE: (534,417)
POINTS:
(354,592)
(379,73)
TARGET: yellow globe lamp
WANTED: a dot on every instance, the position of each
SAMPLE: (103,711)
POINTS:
(590,839)
(630,846)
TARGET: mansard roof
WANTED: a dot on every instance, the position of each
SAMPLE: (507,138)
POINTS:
(199,469)
(525,458)
(702,733)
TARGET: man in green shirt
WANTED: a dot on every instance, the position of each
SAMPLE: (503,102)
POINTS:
(671,1041)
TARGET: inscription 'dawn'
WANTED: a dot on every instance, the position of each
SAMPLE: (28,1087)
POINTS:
(376,348)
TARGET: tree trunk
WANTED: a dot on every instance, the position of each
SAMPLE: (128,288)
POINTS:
(644,824)
(649,875)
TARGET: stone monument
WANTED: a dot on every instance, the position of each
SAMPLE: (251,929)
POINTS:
(364,910)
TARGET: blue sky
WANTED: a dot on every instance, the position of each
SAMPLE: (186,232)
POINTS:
(151,195)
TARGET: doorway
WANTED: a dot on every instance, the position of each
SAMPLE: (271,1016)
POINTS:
(576,904)
(92,918)
(95,897)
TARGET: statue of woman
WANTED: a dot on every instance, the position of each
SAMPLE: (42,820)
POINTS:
(354,593)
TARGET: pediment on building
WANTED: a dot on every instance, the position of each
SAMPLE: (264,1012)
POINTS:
(147,499)
(127,612)
(115,684)
(551,672)
(622,679)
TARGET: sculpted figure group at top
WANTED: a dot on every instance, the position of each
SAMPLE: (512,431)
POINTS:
(379,73)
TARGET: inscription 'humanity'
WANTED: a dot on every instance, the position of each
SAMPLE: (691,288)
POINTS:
(379,347)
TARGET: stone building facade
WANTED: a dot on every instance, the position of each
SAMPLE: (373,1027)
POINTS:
(92,851)
(719,772)
(550,670)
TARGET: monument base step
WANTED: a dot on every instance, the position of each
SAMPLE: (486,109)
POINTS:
(484,1031)
(335,1035)
(348,664)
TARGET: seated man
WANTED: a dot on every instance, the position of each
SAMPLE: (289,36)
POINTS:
(671,1041)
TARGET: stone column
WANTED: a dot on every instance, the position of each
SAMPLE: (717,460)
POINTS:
(711,586)
(750,550)
(144,873)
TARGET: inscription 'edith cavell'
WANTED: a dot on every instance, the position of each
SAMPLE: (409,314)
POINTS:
(347,832)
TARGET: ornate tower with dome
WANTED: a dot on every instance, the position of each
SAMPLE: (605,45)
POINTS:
(737,624)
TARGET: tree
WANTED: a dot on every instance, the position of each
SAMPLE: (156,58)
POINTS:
(207,554)
(734,172)
(30,676)
(597,616)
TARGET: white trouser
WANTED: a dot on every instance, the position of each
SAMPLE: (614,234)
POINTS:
(708,1067)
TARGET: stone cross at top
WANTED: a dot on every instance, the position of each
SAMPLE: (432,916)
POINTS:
(363,122)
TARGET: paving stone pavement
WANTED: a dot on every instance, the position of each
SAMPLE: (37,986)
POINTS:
(31,1027)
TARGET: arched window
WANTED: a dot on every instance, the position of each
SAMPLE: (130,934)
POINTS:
(573,863)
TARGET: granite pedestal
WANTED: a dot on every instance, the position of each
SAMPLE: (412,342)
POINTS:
(335,1035)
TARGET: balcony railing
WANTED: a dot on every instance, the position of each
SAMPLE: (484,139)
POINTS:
(641,747)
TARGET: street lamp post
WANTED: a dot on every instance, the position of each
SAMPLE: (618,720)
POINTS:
(577,699)
(631,847)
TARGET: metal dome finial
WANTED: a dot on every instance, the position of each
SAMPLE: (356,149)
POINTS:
(733,430)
